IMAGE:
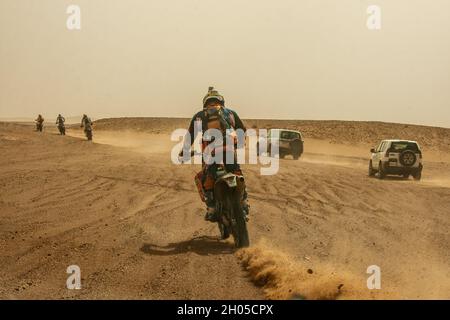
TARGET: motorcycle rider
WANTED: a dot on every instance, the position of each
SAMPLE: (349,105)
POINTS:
(87,124)
(39,122)
(213,116)
(60,121)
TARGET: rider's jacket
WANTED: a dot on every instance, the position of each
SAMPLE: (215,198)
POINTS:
(60,120)
(86,123)
(222,120)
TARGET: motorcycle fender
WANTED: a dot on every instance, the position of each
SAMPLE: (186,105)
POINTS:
(231,181)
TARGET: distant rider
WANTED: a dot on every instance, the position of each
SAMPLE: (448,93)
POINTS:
(39,122)
(60,122)
(86,123)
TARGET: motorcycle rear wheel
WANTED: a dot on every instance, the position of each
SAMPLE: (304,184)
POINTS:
(224,231)
(240,232)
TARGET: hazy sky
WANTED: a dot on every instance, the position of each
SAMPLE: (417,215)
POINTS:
(291,59)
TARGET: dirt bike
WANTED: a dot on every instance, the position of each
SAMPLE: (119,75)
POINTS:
(88,131)
(231,217)
(39,126)
(62,129)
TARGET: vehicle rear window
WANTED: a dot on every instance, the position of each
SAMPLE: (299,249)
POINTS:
(404,145)
(289,135)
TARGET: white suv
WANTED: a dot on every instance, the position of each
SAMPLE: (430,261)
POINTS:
(398,157)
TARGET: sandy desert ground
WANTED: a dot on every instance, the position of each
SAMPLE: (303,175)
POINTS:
(133,221)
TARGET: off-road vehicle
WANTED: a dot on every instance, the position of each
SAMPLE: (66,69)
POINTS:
(396,157)
(290,142)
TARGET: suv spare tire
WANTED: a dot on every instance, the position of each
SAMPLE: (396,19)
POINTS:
(408,158)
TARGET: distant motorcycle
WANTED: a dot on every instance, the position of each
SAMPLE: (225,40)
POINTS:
(88,130)
(62,129)
(39,126)
(88,133)
(87,124)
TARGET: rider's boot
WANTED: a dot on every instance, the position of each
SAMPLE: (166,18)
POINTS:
(211,214)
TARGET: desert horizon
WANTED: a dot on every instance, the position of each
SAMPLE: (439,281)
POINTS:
(76,118)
